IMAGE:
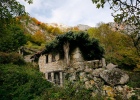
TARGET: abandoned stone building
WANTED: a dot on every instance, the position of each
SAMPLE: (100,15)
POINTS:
(54,67)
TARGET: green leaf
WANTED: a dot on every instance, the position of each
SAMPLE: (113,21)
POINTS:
(98,6)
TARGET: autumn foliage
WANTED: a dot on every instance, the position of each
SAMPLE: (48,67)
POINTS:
(118,46)
(36,21)
(38,38)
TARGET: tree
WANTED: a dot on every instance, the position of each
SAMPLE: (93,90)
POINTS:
(13,38)
(118,47)
(128,12)
(9,9)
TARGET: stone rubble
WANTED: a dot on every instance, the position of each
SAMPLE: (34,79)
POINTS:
(109,81)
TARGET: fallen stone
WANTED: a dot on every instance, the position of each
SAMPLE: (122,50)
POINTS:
(114,76)
(88,85)
(110,66)
(97,72)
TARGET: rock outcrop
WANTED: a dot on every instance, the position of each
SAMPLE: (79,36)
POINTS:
(114,76)
(108,81)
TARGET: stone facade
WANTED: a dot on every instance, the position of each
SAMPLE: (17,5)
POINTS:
(53,67)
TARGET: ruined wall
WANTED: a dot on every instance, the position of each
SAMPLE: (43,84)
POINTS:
(48,66)
(95,75)
(76,61)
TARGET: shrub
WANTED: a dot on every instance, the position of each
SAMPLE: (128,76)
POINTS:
(134,79)
(21,83)
(38,38)
(12,57)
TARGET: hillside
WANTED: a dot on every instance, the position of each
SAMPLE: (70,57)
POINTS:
(25,82)
(39,34)
(106,66)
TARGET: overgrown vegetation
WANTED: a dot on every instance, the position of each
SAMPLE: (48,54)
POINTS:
(11,57)
(26,83)
(77,39)
(128,13)
(134,79)
(21,82)
(118,46)
(12,38)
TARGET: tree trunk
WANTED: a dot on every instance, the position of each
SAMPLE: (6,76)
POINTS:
(66,53)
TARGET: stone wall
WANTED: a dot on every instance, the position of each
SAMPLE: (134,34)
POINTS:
(49,65)
(47,62)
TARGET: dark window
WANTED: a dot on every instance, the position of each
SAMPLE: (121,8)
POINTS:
(46,58)
(53,58)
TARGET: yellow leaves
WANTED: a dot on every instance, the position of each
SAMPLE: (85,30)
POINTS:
(92,82)
(109,90)
(56,31)
(38,37)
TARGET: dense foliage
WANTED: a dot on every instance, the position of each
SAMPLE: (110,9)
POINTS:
(128,13)
(11,57)
(118,46)
(11,35)
(38,38)
(26,83)
(89,46)
(10,9)
(12,38)
(21,83)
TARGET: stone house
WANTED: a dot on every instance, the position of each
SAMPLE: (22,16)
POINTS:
(55,68)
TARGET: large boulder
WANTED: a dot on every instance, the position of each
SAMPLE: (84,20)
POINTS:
(114,76)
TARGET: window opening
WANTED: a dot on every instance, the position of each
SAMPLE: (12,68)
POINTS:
(46,58)
(53,58)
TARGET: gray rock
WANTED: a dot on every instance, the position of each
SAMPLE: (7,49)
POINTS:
(88,85)
(110,66)
(97,72)
(83,77)
(114,76)
(72,77)
(71,70)
(89,76)
(81,68)
(88,70)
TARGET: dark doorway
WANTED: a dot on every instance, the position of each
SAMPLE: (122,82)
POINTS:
(49,77)
(57,78)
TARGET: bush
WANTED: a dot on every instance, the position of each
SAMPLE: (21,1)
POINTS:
(12,57)
(21,83)
(134,79)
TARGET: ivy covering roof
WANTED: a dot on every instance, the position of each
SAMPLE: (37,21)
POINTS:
(89,47)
